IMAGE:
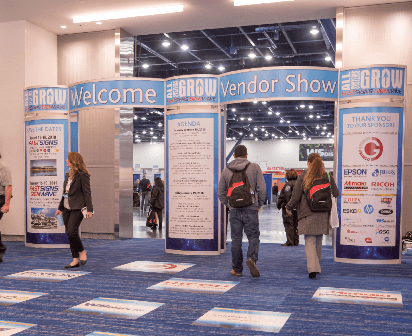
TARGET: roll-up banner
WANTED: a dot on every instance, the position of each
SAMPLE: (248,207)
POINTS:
(370,162)
(46,148)
(192,172)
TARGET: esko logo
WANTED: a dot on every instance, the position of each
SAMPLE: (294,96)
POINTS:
(386,212)
(383,184)
(352,211)
(355,172)
(368,209)
(370,149)
(353,200)
(383,172)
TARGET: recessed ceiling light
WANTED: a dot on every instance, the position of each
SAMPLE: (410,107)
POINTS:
(310,139)
(273,135)
(318,116)
(268,57)
(151,133)
(129,13)
(252,55)
(288,121)
(184,46)
(314,31)
(155,137)
(270,112)
(323,133)
(256,139)
(282,121)
(324,127)
(327,58)
(145,65)
(281,137)
(233,110)
(264,103)
(208,66)
(277,113)
(241,118)
(135,117)
(290,131)
(221,68)
(266,134)
(255,2)
(166,44)
(98,22)
(304,138)
(255,128)
(311,116)
(302,106)
(311,106)
(276,136)
(317,127)
(250,119)
(160,124)
(143,118)
(240,133)
(262,129)
(255,102)
(144,132)
(63,27)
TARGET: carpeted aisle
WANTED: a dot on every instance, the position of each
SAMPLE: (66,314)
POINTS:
(283,287)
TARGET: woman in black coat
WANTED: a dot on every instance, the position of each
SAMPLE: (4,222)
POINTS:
(157,200)
(76,204)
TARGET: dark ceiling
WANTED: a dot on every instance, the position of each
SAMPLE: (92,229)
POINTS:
(231,49)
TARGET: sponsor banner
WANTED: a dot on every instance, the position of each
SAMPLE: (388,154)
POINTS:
(45,275)
(46,151)
(326,151)
(9,297)
(99,333)
(154,267)
(358,296)
(117,93)
(370,157)
(127,309)
(372,81)
(279,83)
(195,286)
(266,321)
(46,99)
(8,328)
(192,90)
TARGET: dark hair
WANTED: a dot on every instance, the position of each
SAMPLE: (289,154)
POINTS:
(158,182)
(240,151)
(291,175)
(315,171)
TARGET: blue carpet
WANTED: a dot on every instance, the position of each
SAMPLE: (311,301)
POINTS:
(283,287)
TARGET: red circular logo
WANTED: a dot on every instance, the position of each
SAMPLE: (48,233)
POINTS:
(370,149)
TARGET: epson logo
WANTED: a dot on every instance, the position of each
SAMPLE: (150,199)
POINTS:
(355,172)
(386,212)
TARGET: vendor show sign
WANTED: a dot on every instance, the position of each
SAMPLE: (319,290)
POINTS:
(370,179)
(154,267)
(127,309)
(45,275)
(195,286)
(326,151)
(372,82)
(266,321)
(8,328)
(358,296)
(10,297)
(46,150)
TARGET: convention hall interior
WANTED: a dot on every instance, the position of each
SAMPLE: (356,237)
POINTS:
(133,283)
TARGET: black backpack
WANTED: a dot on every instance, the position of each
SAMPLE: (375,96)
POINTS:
(319,195)
(239,193)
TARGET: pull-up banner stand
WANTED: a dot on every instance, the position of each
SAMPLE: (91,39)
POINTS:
(370,162)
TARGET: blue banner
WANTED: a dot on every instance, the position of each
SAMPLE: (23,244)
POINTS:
(46,99)
(279,83)
(372,81)
(190,90)
(117,93)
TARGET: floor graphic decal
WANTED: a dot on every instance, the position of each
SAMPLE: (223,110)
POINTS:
(153,266)
(266,321)
(45,275)
(99,333)
(8,328)
(195,285)
(9,297)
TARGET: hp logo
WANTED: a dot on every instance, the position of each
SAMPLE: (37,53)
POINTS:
(368,209)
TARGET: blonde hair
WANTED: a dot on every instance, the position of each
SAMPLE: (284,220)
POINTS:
(76,164)
(315,171)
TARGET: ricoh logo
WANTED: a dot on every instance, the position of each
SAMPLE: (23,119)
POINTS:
(355,172)
(370,149)
(351,200)
(383,172)
(355,186)
(383,184)
(368,209)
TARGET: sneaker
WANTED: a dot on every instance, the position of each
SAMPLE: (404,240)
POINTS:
(233,272)
(253,268)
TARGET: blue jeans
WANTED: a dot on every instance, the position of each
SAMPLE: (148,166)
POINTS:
(248,220)
(144,200)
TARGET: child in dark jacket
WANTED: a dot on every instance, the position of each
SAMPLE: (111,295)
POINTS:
(157,200)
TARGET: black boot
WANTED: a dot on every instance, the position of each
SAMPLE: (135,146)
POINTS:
(2,249)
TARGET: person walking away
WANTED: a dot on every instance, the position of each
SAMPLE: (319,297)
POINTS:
(289,222)
(275,190)
(5,197)
(144,189)
(312,224)
(157,200)
(76,204)
(244,198)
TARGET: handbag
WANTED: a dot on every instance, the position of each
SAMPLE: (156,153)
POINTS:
(333,217)
(151,220)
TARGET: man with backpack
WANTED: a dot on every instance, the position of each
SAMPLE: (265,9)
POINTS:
(144,189)
(242,188)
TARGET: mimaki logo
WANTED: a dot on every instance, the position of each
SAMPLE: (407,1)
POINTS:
(370,149)
(386,212)
(368,209)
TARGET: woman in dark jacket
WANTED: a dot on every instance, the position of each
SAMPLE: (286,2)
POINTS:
(76,204)
(157,200)
(289,222)
(311,224)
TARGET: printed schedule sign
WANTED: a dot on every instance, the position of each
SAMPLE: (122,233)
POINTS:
(370,157)
(46,147)
(191,166)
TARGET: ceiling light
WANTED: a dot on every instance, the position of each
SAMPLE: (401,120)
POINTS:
(323,133)
(256,139)
(270,112)
(250,119)
(242,118)
(273,135)
(303,133)
(281,137)
(129,13)
(311,116)
(255,102)
(329,133)
(288,121)
(327,58)
(208,66)
(255,128)
(240,133)
(310,139)
(163,137)
(184,47)
(302,106)
(144,132)
(145,65)
(314,31)
(255,2)
(264,103)
(151,133)
(166,44)
(143,118)
(324,127)
(63,27)
(155,137)
(98,22)
(276,136)
(221,68)
(304,138)
(136,136)
(277,113)
(297,132)
(311,106)
(266,134)
(318,116)
(138,140)
(251,135)
(252,55)
(290,131)
(160,124)
(135,117)
(268,57)
(282,121)
(317,127)
(233,110)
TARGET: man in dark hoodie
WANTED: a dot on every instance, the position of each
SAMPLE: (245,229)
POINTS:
(245,218)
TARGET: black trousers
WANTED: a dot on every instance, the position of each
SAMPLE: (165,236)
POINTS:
(2,248)
(72,220)
(291,227)
(159,216)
